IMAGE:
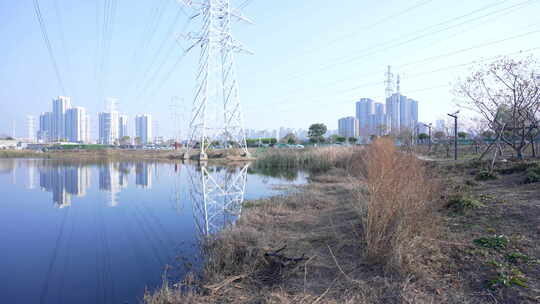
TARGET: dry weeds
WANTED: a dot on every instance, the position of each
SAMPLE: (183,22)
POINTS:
(398,212)
(328,258)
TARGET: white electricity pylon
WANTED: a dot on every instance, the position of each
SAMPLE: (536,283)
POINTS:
(217,194)
(216,114)
(389,83)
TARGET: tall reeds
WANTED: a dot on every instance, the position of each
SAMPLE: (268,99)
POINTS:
(316,159)
(397,212)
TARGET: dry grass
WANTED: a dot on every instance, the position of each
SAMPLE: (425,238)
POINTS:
(398,212)
(316,159)
(347,258)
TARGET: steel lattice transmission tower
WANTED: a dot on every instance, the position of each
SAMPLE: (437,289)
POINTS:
(389,82)
(216,113)
(217,195)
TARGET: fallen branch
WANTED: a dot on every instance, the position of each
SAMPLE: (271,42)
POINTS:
(216,287)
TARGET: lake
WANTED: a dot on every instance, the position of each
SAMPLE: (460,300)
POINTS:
(75,232)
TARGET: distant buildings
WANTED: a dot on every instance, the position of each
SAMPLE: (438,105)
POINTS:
(364,111)
(60,106)
(108,127)
(64,123)
(440,125)
(398,114)
(76,125)
(45,127)
(112,125)
(348,127)
(143,128)
(122,126)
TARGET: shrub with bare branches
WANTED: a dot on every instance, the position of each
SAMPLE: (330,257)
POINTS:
(398,211)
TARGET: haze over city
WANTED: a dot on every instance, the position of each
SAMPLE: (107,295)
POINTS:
(311,62)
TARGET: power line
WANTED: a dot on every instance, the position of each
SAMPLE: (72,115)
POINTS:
(159,51)
(392,43)
(433,58)
(45,36)
(64,44)
(421,74)
(366,27)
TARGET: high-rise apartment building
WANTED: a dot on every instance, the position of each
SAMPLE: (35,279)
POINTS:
(76,125)
(143,128)
(45,127)
(60,106)
(122,126)
(393,112)
(348,127)
(108,127)
(379,121)
(364,110)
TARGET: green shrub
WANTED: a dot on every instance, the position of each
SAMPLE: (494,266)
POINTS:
(494,242)
(519,167)
(516,257)
(461,203)
(532,175)
(485,175)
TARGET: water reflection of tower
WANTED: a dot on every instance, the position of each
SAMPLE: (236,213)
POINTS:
(31,181)
(63,182)
(217,194)
(143,174)
(112,179)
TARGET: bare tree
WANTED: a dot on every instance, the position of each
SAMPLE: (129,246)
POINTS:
(507,94)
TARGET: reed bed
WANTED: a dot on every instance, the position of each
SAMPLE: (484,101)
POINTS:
(314,159)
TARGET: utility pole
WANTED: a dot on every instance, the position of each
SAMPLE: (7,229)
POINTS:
(455,116)
(217,91)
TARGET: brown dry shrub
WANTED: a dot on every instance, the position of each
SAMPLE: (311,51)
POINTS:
(398,216)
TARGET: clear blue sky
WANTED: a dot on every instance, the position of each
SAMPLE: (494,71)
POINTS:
(313,59)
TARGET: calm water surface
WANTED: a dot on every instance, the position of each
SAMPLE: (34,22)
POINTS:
(101,233)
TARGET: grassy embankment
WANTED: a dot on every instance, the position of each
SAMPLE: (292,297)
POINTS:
(377,226)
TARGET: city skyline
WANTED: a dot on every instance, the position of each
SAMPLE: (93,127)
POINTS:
(344,62)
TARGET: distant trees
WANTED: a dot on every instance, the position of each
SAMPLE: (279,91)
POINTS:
(289,139)
(488,134)
(316,132)
(506,93)
(423,136)
(125,140)
(352,139)
(439,135)
(462,135)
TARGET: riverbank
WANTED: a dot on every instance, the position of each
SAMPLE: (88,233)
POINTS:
(431,234)
(118,154)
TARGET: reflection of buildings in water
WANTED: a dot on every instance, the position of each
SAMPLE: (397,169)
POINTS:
(7,166)
(31,181)
(143,174)
(112,179)
(63,182)
(217,196)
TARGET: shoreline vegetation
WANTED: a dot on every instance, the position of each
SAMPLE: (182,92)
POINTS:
(376,225)
(117,154)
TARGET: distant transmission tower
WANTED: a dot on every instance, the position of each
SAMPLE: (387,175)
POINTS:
(216,114)
(389,82)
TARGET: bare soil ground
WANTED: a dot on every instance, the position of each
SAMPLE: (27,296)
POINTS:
(505,269)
